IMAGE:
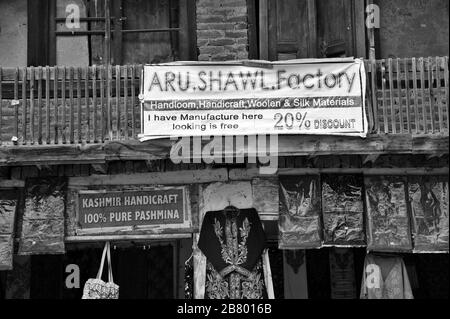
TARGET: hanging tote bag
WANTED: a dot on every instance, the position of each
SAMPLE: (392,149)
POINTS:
(98,289)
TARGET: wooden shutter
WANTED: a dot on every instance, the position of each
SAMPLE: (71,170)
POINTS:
(293,29)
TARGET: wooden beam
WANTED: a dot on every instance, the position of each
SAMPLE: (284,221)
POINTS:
(293,145)
(158,178)
(13,183)
(93,238)
(249,174)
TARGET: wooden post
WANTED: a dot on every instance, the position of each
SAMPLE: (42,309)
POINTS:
(79,73)
(359,26)
(1,105)
(32,104)
(430,92)
(446,75)
(47,103)
(439,95)
(118,113)
(422,91)
(199,258)
(86,103)
(312,28)
(371,38)
(133,92)
(125,101)
(71,106)
(55,103)
(107,63)
(383,91)
(408,98)
(252,32)
(399,93)
(372,59)
(416,103)
(94,101)
(52,29)
(391,96)
(263,30)
(16,106)
(63,105)
(39,105)
(117,47)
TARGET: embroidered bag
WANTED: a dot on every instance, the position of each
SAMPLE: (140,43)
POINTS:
(96,288)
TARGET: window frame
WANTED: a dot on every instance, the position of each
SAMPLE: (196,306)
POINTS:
(42,33)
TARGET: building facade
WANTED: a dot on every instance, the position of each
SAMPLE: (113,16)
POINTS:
(70,115)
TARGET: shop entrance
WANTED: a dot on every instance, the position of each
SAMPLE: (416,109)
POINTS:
(142,270)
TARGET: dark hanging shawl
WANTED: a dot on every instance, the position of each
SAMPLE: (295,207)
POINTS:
(233,245)
(387,214)
(42,227)
(428,196)
(343,210)
(8,204)
(299,222)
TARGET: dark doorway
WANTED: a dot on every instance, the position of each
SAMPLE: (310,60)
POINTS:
(142,272)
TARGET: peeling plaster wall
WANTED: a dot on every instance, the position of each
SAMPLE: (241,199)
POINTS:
(413,28)
(13,33)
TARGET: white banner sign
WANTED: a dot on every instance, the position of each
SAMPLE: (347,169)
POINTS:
(325,97)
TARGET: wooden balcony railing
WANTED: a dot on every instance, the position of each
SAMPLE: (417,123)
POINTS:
(66,105)
(408,96)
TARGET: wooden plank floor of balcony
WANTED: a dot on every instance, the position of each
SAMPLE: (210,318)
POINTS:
(433,144)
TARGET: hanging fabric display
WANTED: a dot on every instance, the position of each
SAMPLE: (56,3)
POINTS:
(343,210)
(342,273)
(385,277)
(388,226)
(233,241)
(8,204)
(42,230)
(428,197)
(299,222)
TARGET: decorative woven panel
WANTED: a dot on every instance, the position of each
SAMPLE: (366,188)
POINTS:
(8,205)
(42,230)
(428,197)
(388,223)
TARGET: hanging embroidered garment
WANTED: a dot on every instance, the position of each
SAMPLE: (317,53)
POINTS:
(428,196)
(385,278)
(42,224)
(8,203)
(233,243)
(388,224)
(343,210)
